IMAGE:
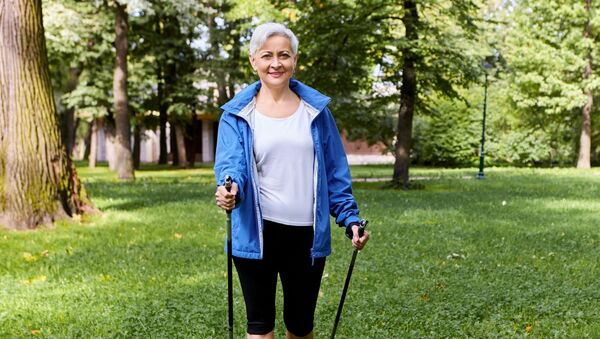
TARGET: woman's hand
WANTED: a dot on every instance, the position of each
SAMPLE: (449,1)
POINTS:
(224,199)
(359,242)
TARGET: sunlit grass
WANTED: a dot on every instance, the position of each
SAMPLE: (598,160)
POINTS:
(516,254)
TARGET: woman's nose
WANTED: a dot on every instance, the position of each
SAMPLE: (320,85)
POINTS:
(275,63)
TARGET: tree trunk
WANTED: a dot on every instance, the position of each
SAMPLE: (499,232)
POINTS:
(123,157)
(87,143)
(408,94)
(38,182)
(162,116)
(137,139)
(585,139)
(180,140)
(94,142)
(162,108)
(173,144)
(68,125)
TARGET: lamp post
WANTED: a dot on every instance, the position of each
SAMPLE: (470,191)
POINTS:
(486,66)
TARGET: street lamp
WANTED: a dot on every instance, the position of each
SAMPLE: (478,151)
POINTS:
(486,66)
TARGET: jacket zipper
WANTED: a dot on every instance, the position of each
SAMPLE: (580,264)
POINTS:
(314,135)
(253,175)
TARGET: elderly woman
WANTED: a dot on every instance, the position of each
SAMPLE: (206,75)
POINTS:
(279,143)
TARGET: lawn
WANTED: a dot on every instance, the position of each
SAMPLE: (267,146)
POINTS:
(514,255)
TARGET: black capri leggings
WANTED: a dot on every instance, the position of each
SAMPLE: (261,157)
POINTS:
(286,252)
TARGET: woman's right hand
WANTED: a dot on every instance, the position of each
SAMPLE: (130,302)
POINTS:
(224,199)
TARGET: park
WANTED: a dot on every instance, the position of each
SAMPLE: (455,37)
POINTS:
(483,219)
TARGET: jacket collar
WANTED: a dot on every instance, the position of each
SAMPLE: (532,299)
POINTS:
(310,95)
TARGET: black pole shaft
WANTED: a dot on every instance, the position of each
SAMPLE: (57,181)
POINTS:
(346,284)
(228,184)
(229,277)
(480,175)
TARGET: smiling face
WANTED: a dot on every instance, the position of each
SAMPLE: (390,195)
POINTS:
(274,61)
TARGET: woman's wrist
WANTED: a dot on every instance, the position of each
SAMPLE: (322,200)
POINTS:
(349,232)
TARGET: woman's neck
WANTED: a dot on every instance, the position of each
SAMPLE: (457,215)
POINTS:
(275,95)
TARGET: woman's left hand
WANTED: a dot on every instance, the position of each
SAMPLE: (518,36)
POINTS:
(357,241)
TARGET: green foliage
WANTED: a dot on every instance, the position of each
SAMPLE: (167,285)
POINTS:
(449,136)
(547,51)
(189,57)
(79,35)
(514,255)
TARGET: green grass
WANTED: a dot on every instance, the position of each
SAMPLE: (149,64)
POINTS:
(514,255)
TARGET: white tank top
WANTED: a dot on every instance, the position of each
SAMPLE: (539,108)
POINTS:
(283,148)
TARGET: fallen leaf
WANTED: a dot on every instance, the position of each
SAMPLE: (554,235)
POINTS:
(33,280)
(455,256)
(178,235)
(29,257)
(529,328)
(105,277)
(35,332)
(441,286)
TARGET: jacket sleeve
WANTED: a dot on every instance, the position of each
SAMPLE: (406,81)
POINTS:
(229,157)
(342,205)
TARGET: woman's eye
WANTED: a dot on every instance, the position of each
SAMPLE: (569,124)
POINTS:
(266,56)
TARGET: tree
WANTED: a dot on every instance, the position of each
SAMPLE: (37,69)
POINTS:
(585,139)
(79,38)
(38,183)
(550,47)
(123,157)
(381,60)
(408,94)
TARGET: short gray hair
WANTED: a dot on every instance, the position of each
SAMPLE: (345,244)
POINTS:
(267,30)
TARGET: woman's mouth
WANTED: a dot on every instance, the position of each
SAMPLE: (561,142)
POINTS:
(276,74)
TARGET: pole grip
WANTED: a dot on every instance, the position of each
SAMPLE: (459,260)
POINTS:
(228,184)
(361,227)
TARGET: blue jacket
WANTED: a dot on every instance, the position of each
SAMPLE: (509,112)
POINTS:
(235,157)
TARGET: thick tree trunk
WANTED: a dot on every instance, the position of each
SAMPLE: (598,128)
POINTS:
(585,139)
(38,182)
(408,94)
(123,157)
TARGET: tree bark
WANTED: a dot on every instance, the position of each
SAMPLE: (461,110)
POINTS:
(69,126)
(137,140)
(38,182)
(181,151)
(585,139)
(162,107)
(123,157)
(96,123)
(408,94)
(173,144)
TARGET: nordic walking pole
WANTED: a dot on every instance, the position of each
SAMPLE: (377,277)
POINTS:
(228,183)
(361,230)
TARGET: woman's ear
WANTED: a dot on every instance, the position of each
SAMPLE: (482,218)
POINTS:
(251,59)
(295,62)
